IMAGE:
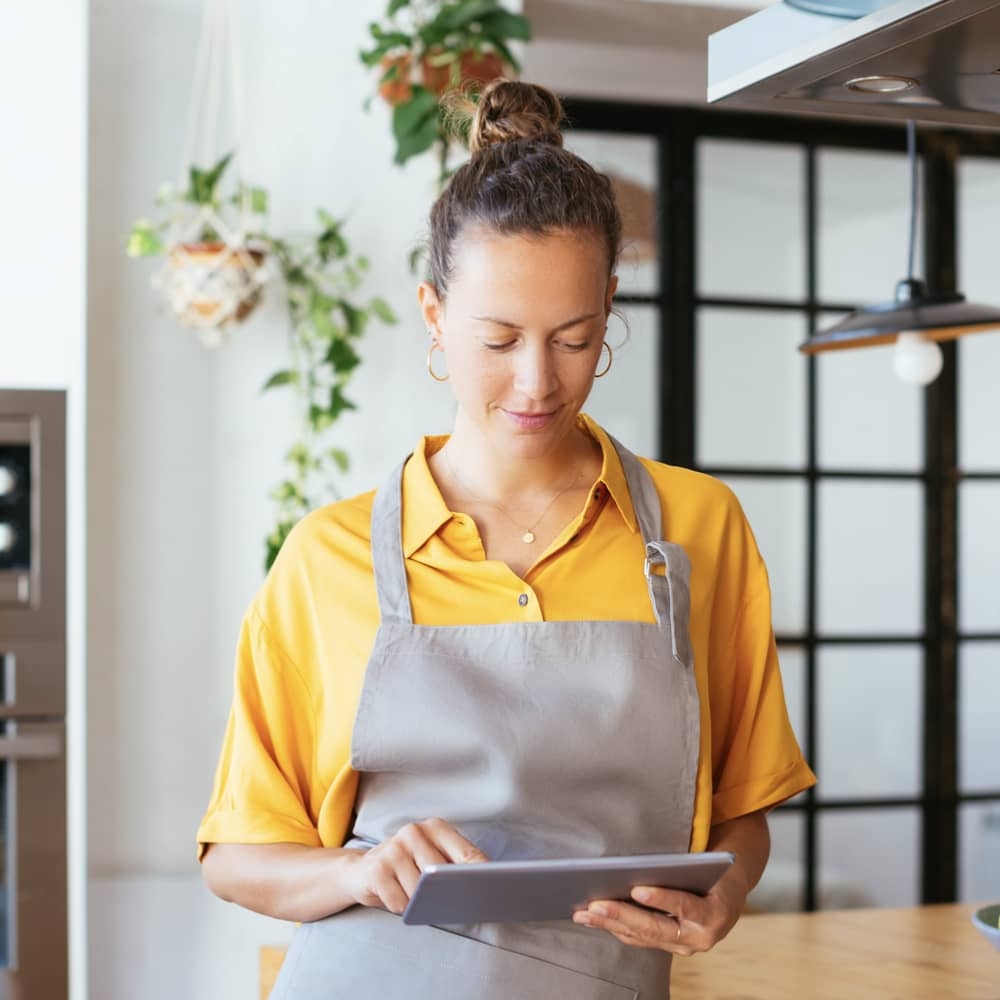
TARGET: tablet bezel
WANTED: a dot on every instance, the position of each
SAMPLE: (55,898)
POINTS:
(520,891)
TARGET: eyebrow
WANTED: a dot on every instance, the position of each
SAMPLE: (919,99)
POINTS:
(514,326)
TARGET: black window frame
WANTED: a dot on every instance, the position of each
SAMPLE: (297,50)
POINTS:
(677,131)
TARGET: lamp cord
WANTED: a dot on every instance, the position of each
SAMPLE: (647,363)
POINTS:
(911,149)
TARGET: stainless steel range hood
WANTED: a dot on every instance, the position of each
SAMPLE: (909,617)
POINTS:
(784,58)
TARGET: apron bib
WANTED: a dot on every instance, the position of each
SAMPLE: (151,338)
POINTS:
(536,740)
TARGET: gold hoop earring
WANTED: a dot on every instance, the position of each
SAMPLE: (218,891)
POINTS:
(430,366)
(611,357)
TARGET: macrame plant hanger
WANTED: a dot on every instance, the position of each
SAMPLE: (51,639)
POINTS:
(213,277)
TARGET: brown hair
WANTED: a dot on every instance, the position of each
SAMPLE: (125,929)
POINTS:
(519,179)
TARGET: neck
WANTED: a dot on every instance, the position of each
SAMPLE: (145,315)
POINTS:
(495,475)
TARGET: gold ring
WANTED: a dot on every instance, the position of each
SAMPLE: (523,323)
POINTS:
(677,939)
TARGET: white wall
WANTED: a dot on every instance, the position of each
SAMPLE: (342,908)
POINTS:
(183,451)
(43,77)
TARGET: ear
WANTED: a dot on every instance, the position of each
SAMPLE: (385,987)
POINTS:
(432,310)
(609,298)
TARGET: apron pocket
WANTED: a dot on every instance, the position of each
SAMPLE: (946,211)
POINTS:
(368,954)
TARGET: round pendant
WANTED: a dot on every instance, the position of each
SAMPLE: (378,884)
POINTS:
(528,537)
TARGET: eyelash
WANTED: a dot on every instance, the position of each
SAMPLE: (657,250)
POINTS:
(570,347)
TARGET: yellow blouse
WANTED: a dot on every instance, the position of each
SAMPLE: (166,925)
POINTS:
(284,774)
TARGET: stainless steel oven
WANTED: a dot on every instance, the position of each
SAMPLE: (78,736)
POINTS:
(33,910)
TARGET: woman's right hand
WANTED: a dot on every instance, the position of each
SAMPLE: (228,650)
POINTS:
(387,874)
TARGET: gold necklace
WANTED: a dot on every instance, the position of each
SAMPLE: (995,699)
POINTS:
(527,534)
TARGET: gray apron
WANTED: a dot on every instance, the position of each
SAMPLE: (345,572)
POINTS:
(536,740)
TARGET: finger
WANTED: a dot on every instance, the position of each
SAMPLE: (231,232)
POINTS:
(684,905)
(455,847)
(642,926)
(421,852)
(387,888)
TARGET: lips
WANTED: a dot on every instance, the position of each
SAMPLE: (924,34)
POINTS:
(530,421)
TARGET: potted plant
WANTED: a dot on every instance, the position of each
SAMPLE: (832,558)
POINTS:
(215,270)
(423,48)
(321,279)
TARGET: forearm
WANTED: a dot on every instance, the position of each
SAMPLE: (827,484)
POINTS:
(287,881)
(749,839)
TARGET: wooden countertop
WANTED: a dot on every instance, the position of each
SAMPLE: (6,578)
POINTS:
(922,953)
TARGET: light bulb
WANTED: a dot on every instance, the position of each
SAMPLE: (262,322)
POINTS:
(7,480)
(7,537)
(915,359)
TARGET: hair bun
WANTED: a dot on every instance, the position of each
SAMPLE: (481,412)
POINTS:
(509,110)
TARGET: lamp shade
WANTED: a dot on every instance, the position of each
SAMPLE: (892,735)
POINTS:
(936,317)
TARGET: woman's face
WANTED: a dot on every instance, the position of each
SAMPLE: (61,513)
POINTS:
(521,331)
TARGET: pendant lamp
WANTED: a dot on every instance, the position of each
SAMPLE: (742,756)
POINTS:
(915,320)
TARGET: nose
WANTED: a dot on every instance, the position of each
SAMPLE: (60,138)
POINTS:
(535,372)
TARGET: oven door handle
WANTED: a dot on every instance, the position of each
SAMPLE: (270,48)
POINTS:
(31,746)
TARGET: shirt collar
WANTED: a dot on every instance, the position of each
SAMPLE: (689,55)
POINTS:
(424,509)
(425,512)
(612,471)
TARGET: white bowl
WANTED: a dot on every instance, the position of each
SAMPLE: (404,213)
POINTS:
(987,921)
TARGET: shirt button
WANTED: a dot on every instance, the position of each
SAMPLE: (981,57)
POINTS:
(523,600)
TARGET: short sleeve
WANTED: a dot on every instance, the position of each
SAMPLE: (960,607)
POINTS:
(261,792)
(756,759)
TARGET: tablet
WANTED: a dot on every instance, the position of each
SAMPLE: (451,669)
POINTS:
(515,891)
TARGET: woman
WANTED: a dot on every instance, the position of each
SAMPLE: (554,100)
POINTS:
(478,641)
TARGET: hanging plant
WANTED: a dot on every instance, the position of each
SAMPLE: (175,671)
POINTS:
(214,270)
(321,279)
(423,48)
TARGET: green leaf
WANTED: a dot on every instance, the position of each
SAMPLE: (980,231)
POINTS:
(338,403)
(356,319)
(144,240)
(459,15)
(258,201)
(340,458)
(382,309)
(319,419)
(504,25)
(415,124)
(202,183)
(395,6)
(280,378)
(321,316)
(342,356)
(362,263)
(506,54)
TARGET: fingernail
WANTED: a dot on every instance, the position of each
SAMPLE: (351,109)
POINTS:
(642,895)
(581,917)
(600,909)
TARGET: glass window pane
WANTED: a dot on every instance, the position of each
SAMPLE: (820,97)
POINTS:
(978,399)
(867,418)
(978,556)
(793,680)
(781,887)
(883,873)
(751,220)
(631,163)
(979,849)
(869,700)
(776,510)
(979,717)
(625,401)
(751,388)
(863,220)
(871,563)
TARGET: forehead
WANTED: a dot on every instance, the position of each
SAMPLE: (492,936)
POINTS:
(484,257)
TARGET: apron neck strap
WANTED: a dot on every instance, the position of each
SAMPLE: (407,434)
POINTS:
(649,514)
(388,561)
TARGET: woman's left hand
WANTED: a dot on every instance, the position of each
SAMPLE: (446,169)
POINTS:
(684,924)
